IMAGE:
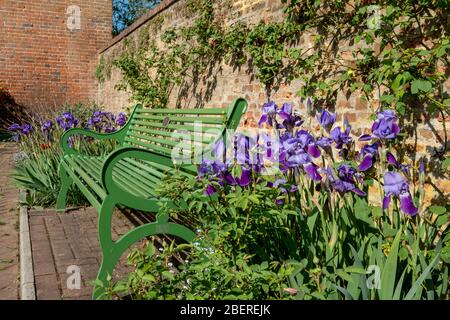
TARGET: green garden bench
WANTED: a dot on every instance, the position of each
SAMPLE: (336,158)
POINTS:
(128,176)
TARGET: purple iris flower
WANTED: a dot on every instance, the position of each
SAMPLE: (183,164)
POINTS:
(297,159)
(122,119)
(303,159)
(303,142)
(242,146)
(326,119)
(218,149)
(421,167)
(269,112)
(285,111)
(267,152)
(396,185)
(14,127)
(308,143)
(210,190)
(47,126)
(341,138)
(312,170)
(211,168)
(26,129)
(345,181)
(290,119)
(390,158)
(102,121)
(385,127)
(67,121)
(281,184)
(369,152)
(422,170)
(243,181)
(366,137)
(324,142)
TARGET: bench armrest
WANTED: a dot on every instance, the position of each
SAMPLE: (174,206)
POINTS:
(118,135)
(119,194)
(78,131)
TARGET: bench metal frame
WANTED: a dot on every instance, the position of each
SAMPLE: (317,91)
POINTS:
(112,193)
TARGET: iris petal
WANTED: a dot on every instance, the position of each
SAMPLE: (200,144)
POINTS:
(314,150)
(359,192)
(386,201)
(244,180)
(407,204)
(365,137)
(262,120)
(312,172)
(209,190)
(391,159)
(366,163)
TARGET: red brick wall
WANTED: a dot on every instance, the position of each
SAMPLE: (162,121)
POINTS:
(44,63)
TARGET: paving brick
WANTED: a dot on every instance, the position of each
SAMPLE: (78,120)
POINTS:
(79,247)
(44,294)
(44,268)
(9,236)
(42,256)
(48,282)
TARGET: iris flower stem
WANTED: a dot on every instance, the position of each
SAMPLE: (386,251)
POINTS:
(383,169)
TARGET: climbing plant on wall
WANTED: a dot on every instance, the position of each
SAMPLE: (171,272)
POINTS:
(397,57)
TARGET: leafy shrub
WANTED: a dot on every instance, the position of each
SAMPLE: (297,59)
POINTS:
(40,151)
(306,230)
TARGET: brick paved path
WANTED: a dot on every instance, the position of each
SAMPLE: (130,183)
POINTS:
(9,227)
(59,240)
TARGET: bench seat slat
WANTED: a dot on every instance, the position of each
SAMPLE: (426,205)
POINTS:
(87,179)
(88,193)
(146,167)
(122,177)
(159,140)
(207,111)
(148,146)
(205,139)
(208,120)
(127,183)
(143,177)
(190,128)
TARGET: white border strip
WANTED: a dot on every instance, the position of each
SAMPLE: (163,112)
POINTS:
(27,289)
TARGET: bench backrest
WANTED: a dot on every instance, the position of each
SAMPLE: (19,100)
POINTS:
(162,130)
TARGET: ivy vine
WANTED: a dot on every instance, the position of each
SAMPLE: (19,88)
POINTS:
(398,53)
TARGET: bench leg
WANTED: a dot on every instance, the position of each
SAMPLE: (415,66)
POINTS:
(112,251)
(106,244)
(66,182)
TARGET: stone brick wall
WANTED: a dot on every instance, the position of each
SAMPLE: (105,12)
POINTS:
(230,83)
(44,63)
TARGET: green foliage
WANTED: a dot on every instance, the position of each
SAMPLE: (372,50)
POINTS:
(399,56)
(208,274)
(325,242)
(37,163)
(100,70)
(251,247)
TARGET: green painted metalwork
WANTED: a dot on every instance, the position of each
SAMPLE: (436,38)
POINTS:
(127,177)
